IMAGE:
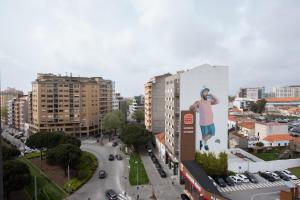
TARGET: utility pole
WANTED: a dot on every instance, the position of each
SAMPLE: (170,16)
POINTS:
(35,189)
(1,156)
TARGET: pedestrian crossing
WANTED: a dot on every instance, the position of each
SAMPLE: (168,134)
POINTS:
(249,186)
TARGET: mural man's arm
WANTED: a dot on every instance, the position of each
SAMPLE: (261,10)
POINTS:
(194,106)
(214,100)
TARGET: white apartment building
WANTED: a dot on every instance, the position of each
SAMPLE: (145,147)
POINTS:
(116,101)
(253,93)
(286,91)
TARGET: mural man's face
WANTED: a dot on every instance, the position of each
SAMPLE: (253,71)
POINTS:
(205,94)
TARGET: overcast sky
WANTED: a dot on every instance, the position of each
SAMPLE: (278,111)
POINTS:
(130,41)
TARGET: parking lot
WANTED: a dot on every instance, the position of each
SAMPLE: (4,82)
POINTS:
(262,183)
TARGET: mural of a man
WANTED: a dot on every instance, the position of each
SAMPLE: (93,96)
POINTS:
(204,108)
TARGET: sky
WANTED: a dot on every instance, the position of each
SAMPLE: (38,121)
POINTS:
(129,41)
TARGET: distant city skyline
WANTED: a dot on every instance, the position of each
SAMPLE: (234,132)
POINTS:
(131,41)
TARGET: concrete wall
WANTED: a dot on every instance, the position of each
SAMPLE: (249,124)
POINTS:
(264,130)
(263,165)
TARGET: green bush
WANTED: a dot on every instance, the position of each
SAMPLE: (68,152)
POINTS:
(87,165)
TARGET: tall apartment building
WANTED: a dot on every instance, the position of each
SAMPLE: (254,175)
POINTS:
(254,93)
(75,105)
(172,120)
(18,112)
(287,91)
(155,104)
(9,94)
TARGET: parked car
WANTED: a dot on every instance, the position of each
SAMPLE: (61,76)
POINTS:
(221,182)
(267,176)
(229,181)
(111,157)
(122,196)
(236,180)
(119,157)
(184,197)
(244,178)
(251,177)
(290,175)
(157,165)
(282,175)
(153,158)
(213,181)
(162,173)
(275,176)
(111,194)
(102,174)
(114,144)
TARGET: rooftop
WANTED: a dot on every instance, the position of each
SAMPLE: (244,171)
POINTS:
(279,137)
(285,99)
(248,124)
(272,123)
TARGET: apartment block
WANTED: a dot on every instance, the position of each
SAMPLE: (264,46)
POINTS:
(253,93)
(172,120)
(9,94)
(287,91)
(116,101)
(155,104)
(137,103)
(18,112)
(75,105)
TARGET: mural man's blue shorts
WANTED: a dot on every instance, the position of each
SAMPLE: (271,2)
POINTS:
(208,130)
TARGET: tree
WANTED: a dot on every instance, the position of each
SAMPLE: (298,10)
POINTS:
(214,166)
(4,112)
(64,155)
(48,140)
(10,153)
(16,176)
(113,121)
(135,135)
(259,106)
(139,115)
(259,144)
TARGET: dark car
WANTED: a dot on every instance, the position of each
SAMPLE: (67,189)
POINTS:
(282,175)
(111,157)
(114,144)
(267,176)
(119,157)
(111,195)
(229,181)
(184,197)
(102,174)
(221,182)
(153,158)
(157,165)
(251,177)
(162,173)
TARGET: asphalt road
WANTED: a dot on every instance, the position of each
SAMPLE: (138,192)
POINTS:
(95,188)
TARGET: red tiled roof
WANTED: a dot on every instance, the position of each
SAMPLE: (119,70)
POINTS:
(279,137)
(161,137)
(272,123)
(248,124)
(286,99)
(232,118)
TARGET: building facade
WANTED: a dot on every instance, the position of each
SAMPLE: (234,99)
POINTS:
(75,105)
(287,91)
(155,104)
(254,93)
(172,120)
(18,112)
(137,103)
(262,130)
(9,94)
(116,101)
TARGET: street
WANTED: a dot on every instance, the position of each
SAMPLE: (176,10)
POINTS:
(116,170)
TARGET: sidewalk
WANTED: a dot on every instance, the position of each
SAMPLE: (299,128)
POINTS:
(163,188)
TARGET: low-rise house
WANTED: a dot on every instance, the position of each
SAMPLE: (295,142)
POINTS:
(247,128)
(262,130)
(238,141)
(295,145)
(277,140)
